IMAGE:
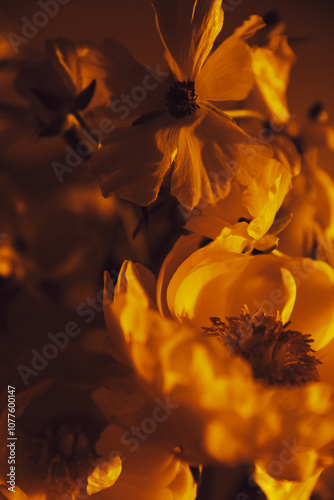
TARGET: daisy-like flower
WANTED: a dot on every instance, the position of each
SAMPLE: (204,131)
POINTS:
(177,121)
(225,351)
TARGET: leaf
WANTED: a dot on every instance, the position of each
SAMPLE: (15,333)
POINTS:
(82,100)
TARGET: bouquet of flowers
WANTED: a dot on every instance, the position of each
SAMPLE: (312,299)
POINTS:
(166,267)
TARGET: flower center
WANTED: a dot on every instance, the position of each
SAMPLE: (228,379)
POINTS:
(181,99)
(278,356)
(64,454)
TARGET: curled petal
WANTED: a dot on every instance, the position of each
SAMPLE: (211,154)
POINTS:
(249,27)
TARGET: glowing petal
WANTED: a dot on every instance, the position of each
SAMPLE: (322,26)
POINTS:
(19,494)
(272,65)
(281,490)
(290,294)
(227,74)
(104,476)
(313,312)
(249,27)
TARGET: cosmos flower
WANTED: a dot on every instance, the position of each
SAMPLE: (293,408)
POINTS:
(178,120)
(246,383)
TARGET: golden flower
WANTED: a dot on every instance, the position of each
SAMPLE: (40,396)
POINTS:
(177,120)
(241,409)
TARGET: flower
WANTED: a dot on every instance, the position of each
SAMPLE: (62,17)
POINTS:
(269,282)
(177,120)
(236,414)
(60,88)
(70,450)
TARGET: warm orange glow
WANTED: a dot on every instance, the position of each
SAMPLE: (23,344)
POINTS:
(104,476)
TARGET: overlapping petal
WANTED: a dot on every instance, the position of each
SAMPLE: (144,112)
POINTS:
(234,419)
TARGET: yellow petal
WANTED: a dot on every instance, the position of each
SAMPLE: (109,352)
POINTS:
(182,249)
(104,476)
(313,312)
(188,30)
(271,66)
(282,490)
(290,294)
(249,27)
(227,75)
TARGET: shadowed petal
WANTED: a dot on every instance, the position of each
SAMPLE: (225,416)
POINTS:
(135,161)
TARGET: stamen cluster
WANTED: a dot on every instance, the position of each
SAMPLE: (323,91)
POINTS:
(181,99)
(278,356)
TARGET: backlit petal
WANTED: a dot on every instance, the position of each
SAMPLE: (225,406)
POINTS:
(281,490)
(227,75)
(188,30)
(104,476)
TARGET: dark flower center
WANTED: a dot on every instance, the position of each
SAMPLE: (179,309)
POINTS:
(181,99)
(278,356)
